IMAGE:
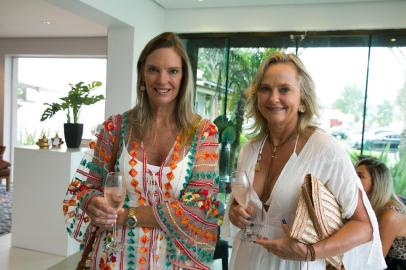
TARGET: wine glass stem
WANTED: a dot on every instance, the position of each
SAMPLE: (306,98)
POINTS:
(114,232)
(248,231)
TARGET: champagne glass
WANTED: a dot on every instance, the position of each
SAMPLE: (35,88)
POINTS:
(114,193)
(241,189)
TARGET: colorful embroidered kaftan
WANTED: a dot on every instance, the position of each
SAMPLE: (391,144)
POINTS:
(182,193)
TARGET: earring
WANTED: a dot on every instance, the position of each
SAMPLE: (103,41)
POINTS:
(142,88)
(302,108)
(141,100)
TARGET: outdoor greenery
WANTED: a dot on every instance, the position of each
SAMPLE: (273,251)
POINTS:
(243,65)
(227,136)
(382,114)
(401,102)
(351,101)
(226,129)
(27,138)
(78,96)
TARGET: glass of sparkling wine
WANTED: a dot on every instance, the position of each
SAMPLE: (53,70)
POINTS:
(240,189)
(114,193)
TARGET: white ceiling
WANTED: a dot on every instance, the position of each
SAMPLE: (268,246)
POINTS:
(24,18)
(175,4)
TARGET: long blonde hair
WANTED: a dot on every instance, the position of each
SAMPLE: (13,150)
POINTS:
(141,115)
(382,183)
(307,95)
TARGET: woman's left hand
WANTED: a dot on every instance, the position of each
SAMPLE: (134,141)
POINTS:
(286,247)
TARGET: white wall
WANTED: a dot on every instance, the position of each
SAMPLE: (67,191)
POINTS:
(143,20)
(120,50)
(120,70)
(317,17)
(84,47)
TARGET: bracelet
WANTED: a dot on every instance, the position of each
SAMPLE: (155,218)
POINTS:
(310,249)
(307,252)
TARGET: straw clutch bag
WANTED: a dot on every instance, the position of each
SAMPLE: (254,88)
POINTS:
(318,215)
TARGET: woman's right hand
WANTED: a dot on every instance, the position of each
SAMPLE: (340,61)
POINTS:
(101,213)
(240,216)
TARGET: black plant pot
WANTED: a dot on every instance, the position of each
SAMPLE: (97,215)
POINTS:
(73,134)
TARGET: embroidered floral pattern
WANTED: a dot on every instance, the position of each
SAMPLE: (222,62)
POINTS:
(188,223)
(191,223)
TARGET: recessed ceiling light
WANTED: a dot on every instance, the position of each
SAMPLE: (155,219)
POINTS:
(46,22)
(200,0)
(393,39)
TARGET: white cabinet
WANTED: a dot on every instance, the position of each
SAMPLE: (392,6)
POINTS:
(41,178)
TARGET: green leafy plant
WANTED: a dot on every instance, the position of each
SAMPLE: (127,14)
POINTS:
(227,136)
(399,176)
(78,96)
(226,129)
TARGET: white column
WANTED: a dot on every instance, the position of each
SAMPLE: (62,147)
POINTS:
(121,73)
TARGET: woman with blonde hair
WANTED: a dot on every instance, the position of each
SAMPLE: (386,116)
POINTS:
(286,147)
(378,184)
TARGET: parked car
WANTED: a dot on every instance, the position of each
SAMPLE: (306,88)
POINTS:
(382,140)
(376,139)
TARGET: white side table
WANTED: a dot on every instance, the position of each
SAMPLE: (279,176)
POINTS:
(41,178)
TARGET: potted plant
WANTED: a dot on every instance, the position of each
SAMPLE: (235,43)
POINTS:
(227,136)
(78,96)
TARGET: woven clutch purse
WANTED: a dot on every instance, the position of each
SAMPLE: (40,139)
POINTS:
(318,215)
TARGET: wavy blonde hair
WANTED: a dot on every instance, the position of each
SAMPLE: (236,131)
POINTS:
(186,118)
(382,184)
(307,95)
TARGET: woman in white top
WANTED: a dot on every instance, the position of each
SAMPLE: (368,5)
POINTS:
(288,145)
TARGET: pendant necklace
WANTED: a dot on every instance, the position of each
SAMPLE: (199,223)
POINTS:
(274,148)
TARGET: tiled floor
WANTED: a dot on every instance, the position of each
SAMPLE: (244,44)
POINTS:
(23,259)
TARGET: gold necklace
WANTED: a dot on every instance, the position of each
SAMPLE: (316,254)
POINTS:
(274,148)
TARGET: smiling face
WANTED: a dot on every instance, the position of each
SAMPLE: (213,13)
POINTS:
(163,77)
(279,95)
(365,177)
